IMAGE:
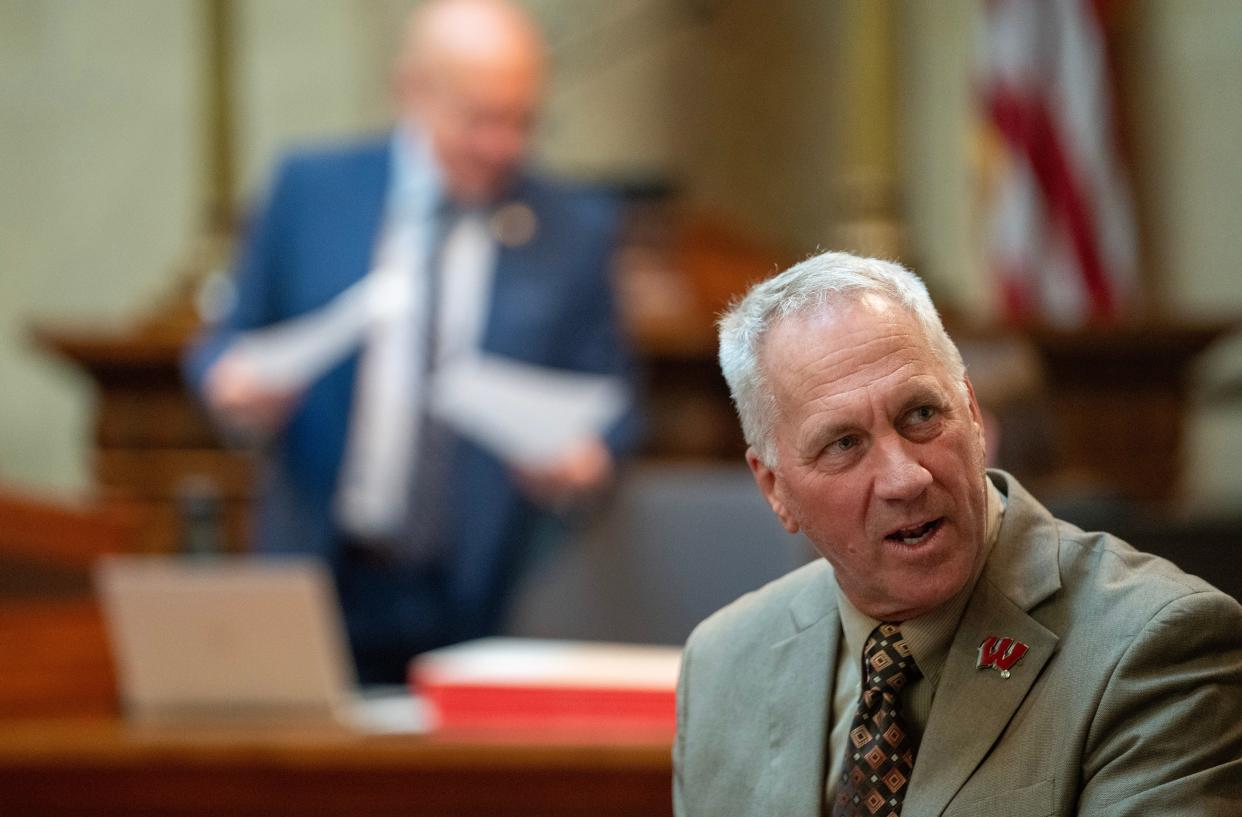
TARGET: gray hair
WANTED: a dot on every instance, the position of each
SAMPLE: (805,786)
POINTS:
(814,283)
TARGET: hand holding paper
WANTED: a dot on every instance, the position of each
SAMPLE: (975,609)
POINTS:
(246,401)
(255,384)
(548,424)
(536,419)
(583,469)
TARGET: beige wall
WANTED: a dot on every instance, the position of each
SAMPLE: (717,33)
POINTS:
(1189,146)
(307,72)
(764,151)
(98,181)
(744,106)
(935,47)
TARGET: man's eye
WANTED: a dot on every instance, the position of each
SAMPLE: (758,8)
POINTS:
(844,443)
(924,420)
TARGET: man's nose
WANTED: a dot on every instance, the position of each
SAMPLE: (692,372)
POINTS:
(505,143)
(901,477)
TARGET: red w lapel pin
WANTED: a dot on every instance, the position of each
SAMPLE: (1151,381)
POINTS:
(1000,654)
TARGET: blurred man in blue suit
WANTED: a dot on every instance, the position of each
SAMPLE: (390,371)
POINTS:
(435,564)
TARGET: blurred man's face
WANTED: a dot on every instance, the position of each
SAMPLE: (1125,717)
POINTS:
(880,456)
(479,116)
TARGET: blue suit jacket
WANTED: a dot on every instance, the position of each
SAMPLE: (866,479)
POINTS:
(551,305)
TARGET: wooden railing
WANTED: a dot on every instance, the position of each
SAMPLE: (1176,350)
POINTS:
(53,650)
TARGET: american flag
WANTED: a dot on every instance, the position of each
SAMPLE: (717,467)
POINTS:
(1059,224)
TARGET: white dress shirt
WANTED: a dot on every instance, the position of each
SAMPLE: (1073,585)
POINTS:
(391,390)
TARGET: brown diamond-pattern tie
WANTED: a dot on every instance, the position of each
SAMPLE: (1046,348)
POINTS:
(879,754)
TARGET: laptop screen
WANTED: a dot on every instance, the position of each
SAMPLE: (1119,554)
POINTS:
(227,635)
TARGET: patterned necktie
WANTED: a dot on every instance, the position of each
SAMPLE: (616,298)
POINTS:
(428,510)
(879,757)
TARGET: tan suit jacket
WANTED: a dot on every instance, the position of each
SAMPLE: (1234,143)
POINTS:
(1129,701)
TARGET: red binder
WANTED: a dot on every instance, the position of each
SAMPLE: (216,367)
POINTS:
(509,683)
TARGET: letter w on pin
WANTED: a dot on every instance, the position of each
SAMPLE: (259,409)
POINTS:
(1000,654)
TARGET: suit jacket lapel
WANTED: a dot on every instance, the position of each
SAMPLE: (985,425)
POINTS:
(972,706)
(358,217)
(516,272)
(800,691)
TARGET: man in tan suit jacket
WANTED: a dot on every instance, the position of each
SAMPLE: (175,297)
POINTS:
(865,436)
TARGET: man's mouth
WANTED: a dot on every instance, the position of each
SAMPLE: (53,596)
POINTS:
(915,534)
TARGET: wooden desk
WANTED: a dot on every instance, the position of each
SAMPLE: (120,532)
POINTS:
(99,766)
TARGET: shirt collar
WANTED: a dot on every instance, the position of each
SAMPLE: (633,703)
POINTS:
(416,184)
(929,635)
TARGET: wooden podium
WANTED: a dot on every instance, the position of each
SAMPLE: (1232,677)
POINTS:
(1109,403)
(153,443)
(1118,398)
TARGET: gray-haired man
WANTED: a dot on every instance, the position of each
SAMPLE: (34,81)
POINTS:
(957,650)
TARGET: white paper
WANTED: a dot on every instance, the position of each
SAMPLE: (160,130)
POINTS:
(395,713)
(522,662)
(293,354)
(527,415)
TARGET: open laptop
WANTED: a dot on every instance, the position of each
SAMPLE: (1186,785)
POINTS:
(236,637)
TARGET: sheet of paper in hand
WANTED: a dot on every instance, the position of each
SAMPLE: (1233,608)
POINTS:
(525,414)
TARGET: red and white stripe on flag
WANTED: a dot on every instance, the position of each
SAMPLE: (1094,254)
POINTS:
(1060,228)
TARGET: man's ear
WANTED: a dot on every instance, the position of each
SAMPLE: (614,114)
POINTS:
(769,485)
(976,414)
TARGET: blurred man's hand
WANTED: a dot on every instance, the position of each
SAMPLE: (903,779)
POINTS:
(241,399)
(584,469)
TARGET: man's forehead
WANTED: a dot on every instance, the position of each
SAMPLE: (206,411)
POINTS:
(476,52)
(456,28)
(838,326)
(826,351)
